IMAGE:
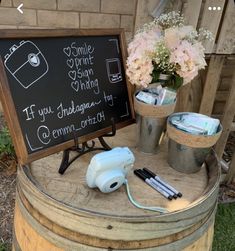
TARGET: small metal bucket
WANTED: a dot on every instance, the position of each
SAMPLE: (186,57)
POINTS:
(187,152)
(186,159)
(149,133)
(151,122)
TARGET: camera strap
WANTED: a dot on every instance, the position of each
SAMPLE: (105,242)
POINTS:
(155,209)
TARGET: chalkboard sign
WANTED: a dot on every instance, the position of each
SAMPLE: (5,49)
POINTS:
(56,84)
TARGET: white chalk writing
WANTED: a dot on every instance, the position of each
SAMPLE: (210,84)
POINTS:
(108,99)
(86,85)
(127,112)
(45,111)
(56,133)
(93,120)
(81,50)
(63,111)
(43,134)
(29,112)
(80,74)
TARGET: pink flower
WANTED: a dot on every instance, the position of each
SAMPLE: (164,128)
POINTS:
(143,43)
(172,38)
(139,62)
(139,71)
(174,50)
(190,59)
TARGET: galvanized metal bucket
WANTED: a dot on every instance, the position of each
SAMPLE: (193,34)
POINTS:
(149,132)
(187,152)
(186,159)
(151,124)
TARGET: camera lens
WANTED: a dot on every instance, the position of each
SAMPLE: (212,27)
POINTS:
(113,185)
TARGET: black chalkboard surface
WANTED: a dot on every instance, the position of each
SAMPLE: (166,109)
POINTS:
(57,84)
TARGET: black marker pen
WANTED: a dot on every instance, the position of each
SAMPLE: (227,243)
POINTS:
(142,176)
(167,190)
(156,177)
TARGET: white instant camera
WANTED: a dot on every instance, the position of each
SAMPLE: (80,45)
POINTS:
(107,170)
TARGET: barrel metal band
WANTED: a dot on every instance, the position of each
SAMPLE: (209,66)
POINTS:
(107,243)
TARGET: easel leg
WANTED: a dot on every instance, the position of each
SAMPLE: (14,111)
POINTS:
(65,162)
(104,144)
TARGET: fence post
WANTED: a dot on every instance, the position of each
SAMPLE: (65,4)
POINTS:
(227,120)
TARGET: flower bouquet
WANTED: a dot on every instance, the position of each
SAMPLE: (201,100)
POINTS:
(164,55)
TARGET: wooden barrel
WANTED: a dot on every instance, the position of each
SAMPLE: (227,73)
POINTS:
(59,212)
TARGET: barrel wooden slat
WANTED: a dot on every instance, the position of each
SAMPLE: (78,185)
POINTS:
(31,235)
(63,212)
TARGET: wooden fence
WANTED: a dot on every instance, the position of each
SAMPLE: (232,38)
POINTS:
(213,91)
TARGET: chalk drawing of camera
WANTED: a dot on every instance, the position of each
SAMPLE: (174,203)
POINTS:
(113,67)
(26,63)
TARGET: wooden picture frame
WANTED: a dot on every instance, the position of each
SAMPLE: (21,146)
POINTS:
(7,101)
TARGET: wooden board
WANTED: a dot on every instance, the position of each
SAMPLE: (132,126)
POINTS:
(211,21)
(28,237)
(226,40)
(191,11)
(71,188)
(227,119)
(189,96)
(231,171)
(65,212)
(211,84)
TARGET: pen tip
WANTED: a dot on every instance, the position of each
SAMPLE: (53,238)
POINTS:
(179,195)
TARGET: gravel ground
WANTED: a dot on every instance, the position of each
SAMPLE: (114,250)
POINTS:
(7,201)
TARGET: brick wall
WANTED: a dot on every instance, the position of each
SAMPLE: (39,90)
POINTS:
(39,14)
(51,14)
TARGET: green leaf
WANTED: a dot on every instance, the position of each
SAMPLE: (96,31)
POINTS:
(6,145)
(155,76)
(3,246)
(178,82)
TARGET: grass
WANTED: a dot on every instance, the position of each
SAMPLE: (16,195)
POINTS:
(224,237)
(3,247)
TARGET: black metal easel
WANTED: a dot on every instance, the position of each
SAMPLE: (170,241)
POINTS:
(85,148)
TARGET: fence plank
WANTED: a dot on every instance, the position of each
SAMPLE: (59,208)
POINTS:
(221,96)
(227,120)
(211,20)
(176,5)
(226,41)
(182,98)
(211,84)
(231,171)
(191,11)
(233,127)
(189,96)
(143,11)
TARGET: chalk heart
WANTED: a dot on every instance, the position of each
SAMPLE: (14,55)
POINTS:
(70,63)
(72,75)
(67,51)
(75,85)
